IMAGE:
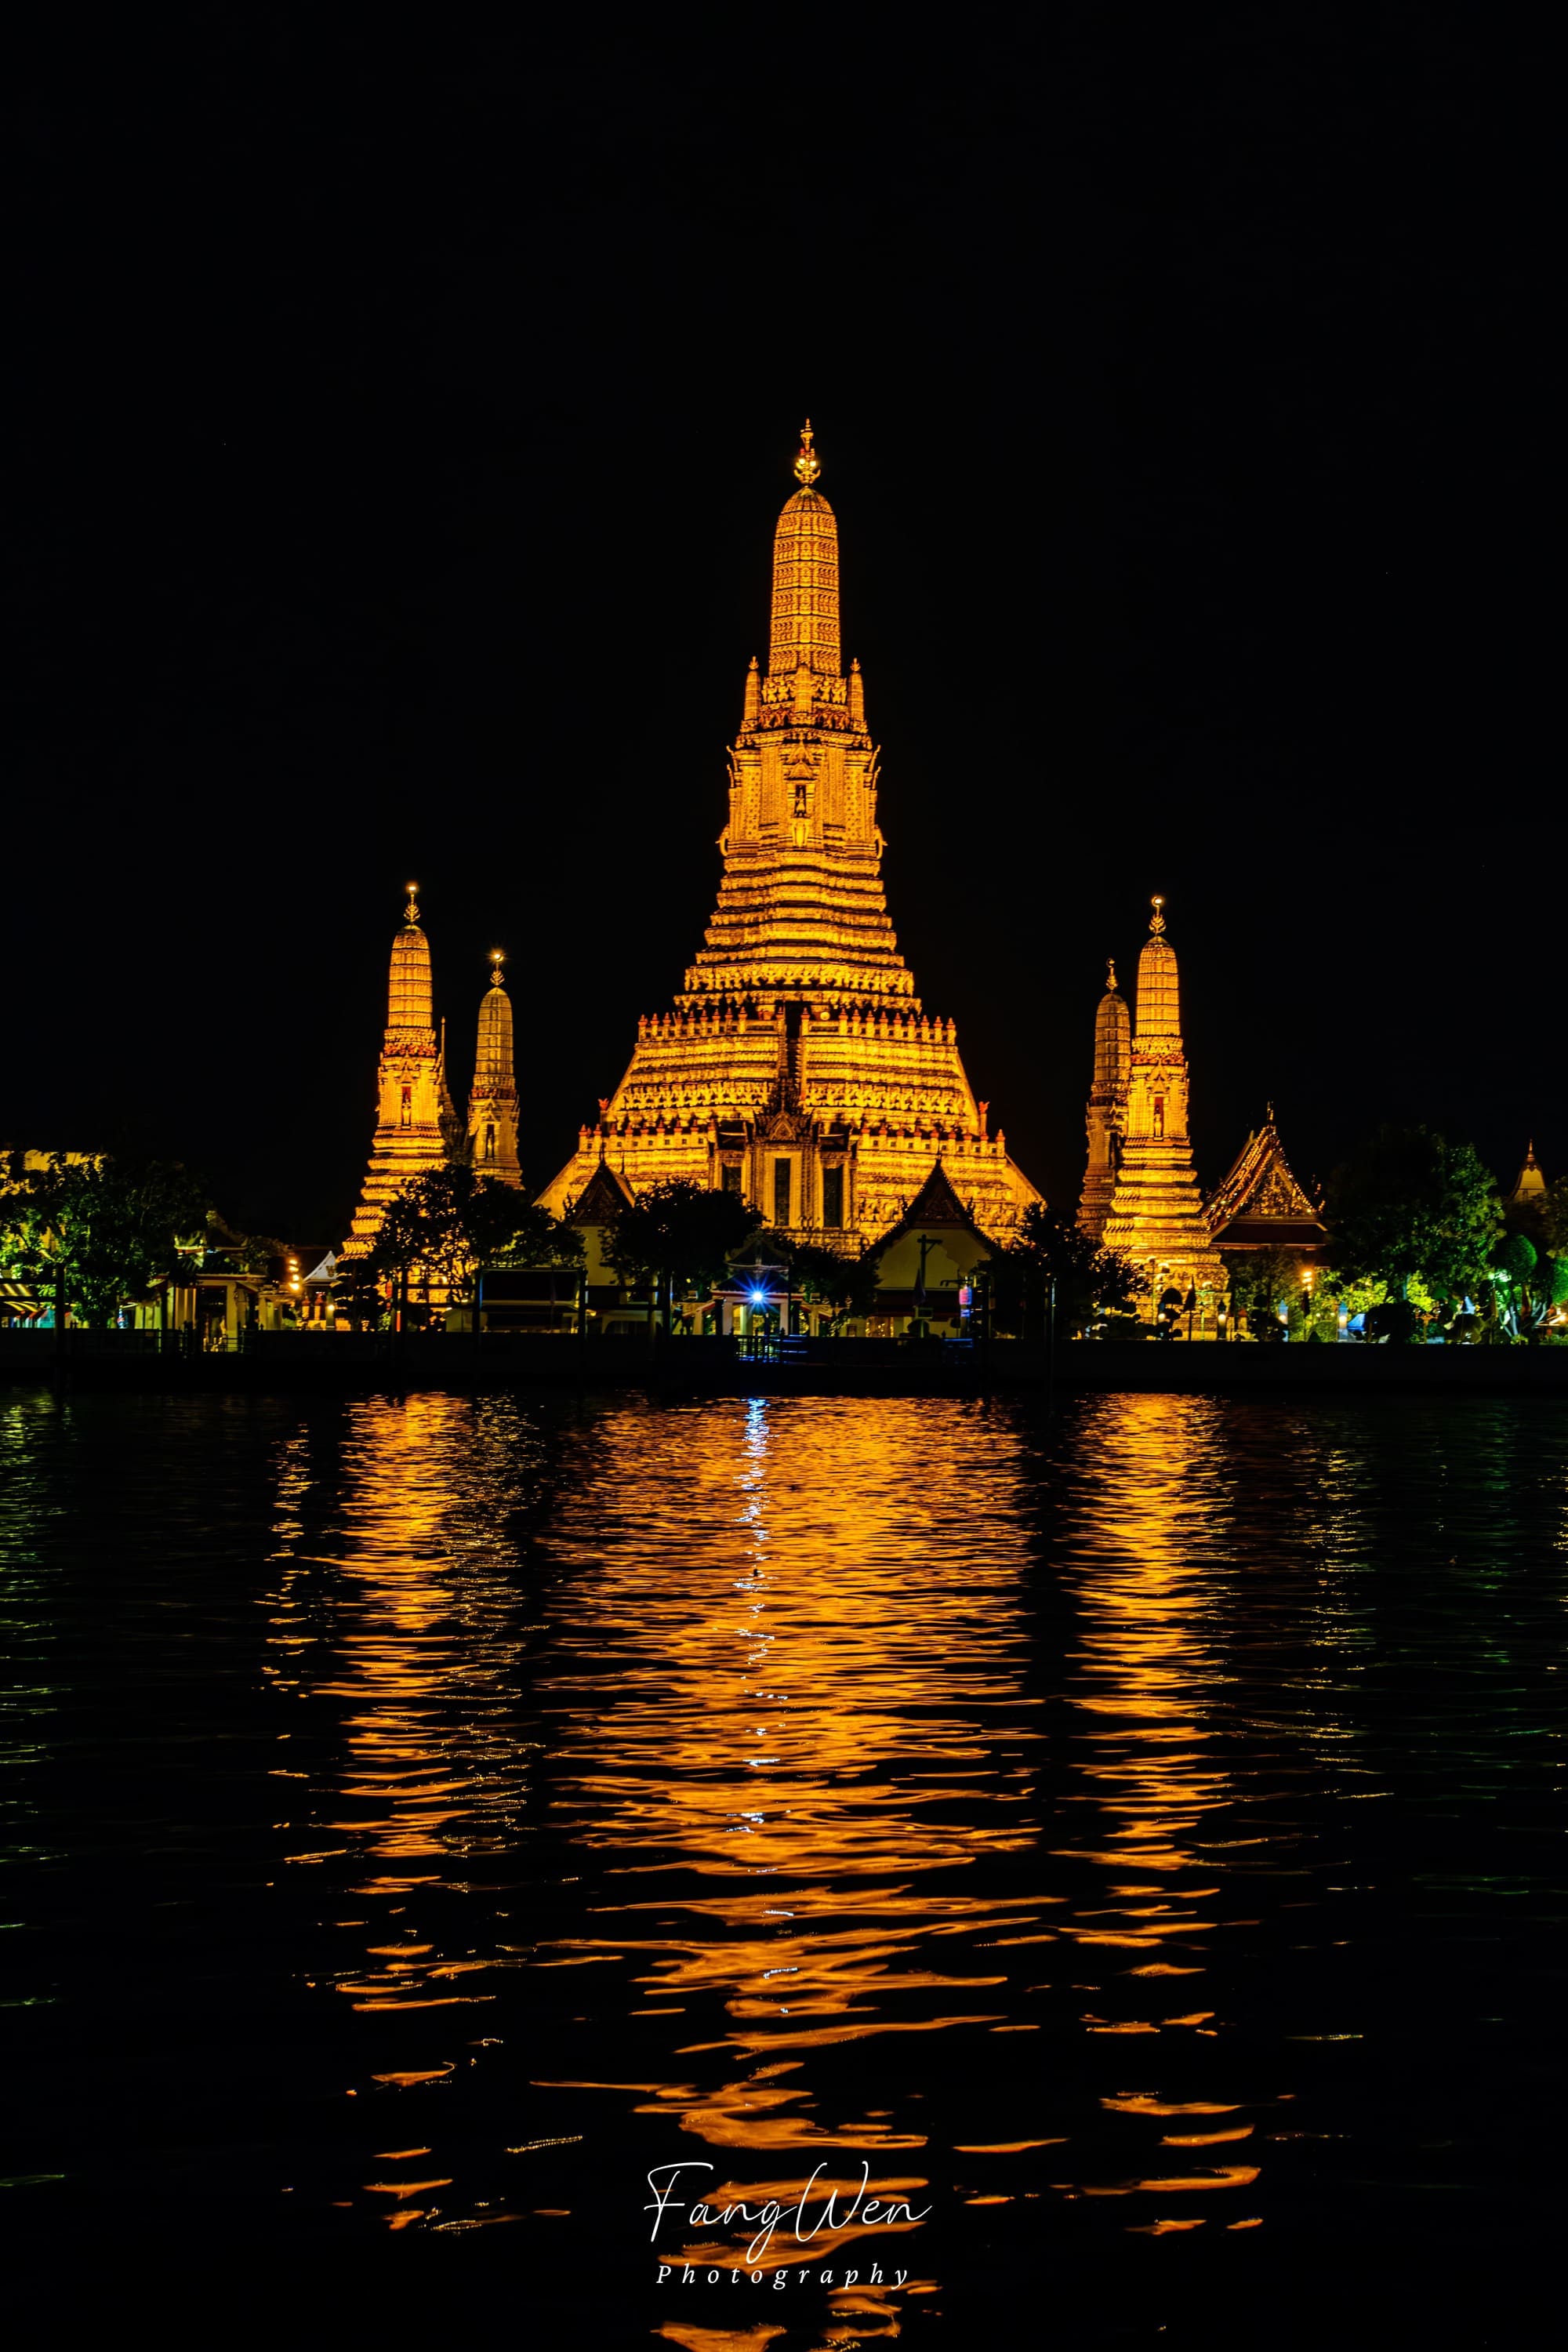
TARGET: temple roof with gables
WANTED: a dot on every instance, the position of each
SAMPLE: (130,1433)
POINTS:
(1260,1205)
(602,1199)
(936,1203)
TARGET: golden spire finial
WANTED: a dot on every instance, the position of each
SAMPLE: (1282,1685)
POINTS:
(498,956)
(411,912)
(1111,974)
(1156,920)
(808,465)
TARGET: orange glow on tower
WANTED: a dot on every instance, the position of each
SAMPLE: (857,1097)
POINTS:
(492,1099)
(1156,1211)
(416,1126)
(798,1067)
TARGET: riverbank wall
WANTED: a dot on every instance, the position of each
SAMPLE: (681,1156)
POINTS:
(349,1363)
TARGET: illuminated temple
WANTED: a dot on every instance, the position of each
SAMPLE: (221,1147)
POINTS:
(416,1126)
(492,1098)
(1140,1191)
(797,1066)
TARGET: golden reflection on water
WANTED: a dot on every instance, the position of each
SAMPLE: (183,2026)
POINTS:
(778,1703)
(1158,1492)
(409,1626)
(811,1632)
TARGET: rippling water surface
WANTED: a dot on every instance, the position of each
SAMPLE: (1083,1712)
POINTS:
(1116,1857)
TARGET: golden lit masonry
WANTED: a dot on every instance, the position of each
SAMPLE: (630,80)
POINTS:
(798,1067)
(1138,1140)
(416,1129)
(492,1099)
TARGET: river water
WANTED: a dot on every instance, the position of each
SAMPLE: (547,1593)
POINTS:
(1116,1854)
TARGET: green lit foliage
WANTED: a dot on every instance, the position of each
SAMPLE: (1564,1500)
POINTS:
(1276,1291)
(1393,1321)
(1529,1285)
(1553,1218)
(1265,1288)
(107,1231)
(1088,1280)
(680,1235)
(1410,1207)
(258,1253)
(442,1227)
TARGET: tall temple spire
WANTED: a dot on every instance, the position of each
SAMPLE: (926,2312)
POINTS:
(805,577)
(409,1001)
(1106,1113)
(797,1065)
(492,1099)
(1159,997)
(1156,1212)
(416,1129)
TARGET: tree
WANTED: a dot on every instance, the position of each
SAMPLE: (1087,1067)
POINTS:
(1266,1286)
(1395,1321)
(359,1295)
(848,1285)
(1051,1254)
(1553,1218)
(445,1226)
(102,1231)
(1410,1206)
(676,1234)
(1529,1285)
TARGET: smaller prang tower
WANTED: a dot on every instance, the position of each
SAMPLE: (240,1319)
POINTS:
(416,1126)
(1157,1213)
(492,1099)
(1107,1112)
(1531,1190)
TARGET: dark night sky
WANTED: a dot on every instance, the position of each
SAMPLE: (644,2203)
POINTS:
(396,428)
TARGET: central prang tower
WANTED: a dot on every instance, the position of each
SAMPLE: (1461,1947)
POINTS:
(797,1066)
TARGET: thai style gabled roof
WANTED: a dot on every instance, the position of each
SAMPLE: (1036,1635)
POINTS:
(1260,1200)
(602,1199)
(936,1203)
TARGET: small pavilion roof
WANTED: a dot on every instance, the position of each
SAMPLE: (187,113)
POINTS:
(1260,1201)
